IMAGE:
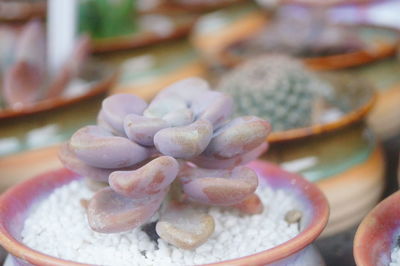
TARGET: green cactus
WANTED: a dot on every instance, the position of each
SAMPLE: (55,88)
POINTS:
(275,87)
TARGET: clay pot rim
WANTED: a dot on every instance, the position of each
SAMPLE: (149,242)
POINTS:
(358,57)
(318,129)
(379,224)
(101,85)
(36,187)
(26,10)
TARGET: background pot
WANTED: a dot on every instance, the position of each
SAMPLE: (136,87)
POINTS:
(342,157)
(32,134)
(18,202)
(378,233)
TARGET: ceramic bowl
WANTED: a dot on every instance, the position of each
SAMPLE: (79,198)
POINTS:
(378,42)
(17,202)
(378,233)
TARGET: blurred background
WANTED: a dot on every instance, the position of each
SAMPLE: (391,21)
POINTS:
(326,73)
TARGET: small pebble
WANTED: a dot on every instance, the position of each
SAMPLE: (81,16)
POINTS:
(293,216)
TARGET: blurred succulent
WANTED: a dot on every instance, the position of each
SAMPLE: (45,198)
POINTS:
(181,145)
(25,79)
(107,18)
(275,87)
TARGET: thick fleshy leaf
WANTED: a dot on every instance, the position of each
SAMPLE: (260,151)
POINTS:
(70,69)
(70,161)
(116,107)
(110,212)
(21,85)
(213,106)
(148,180)
(239,136)
(159,107)
(211,162)
(186,141)
(180,117)
(184,227)
(219,187)
(99,148)
(142,129)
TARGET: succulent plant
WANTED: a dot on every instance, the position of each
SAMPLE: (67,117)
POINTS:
(25,78)
(275,87)
(167,156)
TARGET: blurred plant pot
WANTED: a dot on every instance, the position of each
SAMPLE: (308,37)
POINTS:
(378,233)
(217,30)
(13,10)
(384,78)
(342,157)
(17,203)
(30,135)
(378,42)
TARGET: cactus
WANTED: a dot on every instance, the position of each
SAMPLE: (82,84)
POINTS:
(178,150)
(275,87)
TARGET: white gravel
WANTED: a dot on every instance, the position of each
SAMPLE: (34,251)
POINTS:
(58,227)
(395,257)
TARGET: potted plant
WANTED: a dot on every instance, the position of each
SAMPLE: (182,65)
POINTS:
(377,238)
(152,172)
(319,130)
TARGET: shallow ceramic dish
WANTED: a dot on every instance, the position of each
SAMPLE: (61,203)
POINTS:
(378,233)
(98,79)
(379,42)
(18,201)
(202,5)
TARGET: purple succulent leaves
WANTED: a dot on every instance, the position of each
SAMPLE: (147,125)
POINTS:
(219,187)
(186,141)
(99,148)
(182,138)
(111,212)
(150,179)
(184,227)
(116,107)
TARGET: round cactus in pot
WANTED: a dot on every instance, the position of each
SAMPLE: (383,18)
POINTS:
(276,87)
(179,151)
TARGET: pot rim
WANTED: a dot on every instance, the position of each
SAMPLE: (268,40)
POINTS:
(43,184)
(362,55)
(377,229)
(348,119)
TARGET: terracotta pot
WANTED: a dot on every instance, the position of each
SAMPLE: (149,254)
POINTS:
(12,10)
(18,201)
(32,134)
(342,157)
(378,233)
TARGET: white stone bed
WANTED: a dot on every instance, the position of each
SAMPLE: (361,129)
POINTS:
(58,227)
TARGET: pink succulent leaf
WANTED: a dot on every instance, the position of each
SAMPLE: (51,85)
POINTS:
(70,69)
(185,141)
(219,187)
(116,107)
(110,212)
(239,136)
(142,129)
(150,179)
(210,162)
(184,227)
(99,148)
